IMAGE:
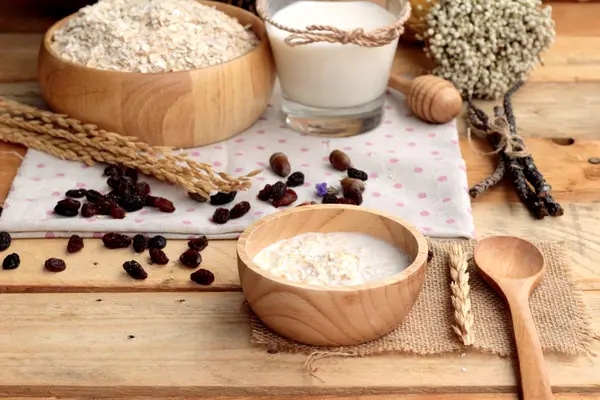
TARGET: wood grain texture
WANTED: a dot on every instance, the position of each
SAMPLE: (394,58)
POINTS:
(514,268)
(328,316)
(179,109)
(19,52)
(197,344)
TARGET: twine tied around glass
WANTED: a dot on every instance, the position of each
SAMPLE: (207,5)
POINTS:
(330,34)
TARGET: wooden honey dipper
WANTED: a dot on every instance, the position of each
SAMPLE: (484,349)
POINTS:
(432,99)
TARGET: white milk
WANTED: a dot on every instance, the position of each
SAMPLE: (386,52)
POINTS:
(332,75)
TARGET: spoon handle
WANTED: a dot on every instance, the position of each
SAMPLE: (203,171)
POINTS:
(534,379)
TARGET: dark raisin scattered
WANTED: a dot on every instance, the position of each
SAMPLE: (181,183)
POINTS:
(222,198)
(265,193)
(55,265)
(202,277)
(67,207)
(88,210)
(104,205)
(288,198)
(199,243)
(124,186)
(158,256)
(92,195)
(76,193)
(239,210)
(5,240)
(357,174)
(75,244)
(157,242)
(117,212)
(329,198)
(115,240)
(355,195)
(140,243)
(345,201)
(141,189)
(191,258)
(134,270)
(429,255)
(164,205)
(114,181)
(221,216)
(132,174)
(150,201)
(113,196)
(278,190)
(197,197)
(112,170)
(295,179)
(12,261)
(131,203)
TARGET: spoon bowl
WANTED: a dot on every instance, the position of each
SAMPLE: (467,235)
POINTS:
(514,267)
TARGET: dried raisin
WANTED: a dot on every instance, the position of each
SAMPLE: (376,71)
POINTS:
(202,277)
(164,205)
(141,189)
(295,179)
(191,258)
(55,265)
(88,210)
(117,212)
(76,193)
(115,240)
(197,197)
(222,198)
(92,195)
(5,240)
(239,210)
(221,216)
(150,201)
(157,242)
(158,256)
(104,205)
(199,243)
(329,198)
(75,244)
(357,174)
(288,198)
(345,201)
(355,195)
(140,243)
(12,261)
(67,207)
(265,193)
(131,203)
(134,270)
(278,190)
(132,174)
(112,170)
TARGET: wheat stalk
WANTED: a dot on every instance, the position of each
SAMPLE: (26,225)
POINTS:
(461,301)
(70,139)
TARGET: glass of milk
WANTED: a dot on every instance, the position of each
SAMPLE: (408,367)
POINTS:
(331,89)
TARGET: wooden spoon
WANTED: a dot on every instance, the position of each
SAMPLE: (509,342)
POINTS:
(432,99)
(514,267)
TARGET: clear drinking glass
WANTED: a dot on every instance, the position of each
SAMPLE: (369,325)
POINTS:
(331,88)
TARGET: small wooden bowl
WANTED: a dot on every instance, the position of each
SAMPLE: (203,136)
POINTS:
(179,109)
(331,316)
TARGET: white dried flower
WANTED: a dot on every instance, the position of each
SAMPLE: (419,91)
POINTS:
(485,46)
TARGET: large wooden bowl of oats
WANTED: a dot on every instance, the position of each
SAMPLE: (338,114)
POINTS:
(86,76)
(331,275)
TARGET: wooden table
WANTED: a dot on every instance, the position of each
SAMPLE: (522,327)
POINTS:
(90,332)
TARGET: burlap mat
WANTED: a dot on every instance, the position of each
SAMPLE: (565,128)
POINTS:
(558,309)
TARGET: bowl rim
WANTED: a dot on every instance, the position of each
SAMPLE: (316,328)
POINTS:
(420,261)
(47,40)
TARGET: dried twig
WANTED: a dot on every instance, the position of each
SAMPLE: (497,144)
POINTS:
(461,301)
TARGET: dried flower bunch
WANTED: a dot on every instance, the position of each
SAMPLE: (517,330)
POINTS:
(70,139)
(152,36)
(485,46)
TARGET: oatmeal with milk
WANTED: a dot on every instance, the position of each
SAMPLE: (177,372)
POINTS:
(332,259)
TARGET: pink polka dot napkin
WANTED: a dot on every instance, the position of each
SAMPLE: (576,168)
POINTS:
(416,172)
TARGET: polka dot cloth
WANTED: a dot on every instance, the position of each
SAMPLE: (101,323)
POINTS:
(415,170)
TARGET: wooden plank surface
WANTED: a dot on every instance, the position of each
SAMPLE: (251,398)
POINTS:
(156,344)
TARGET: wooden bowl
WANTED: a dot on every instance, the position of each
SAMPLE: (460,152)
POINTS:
(179,109)
(323,315)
